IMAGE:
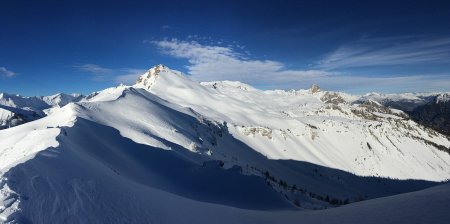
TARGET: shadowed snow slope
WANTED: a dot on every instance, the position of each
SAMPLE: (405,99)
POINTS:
(170,150)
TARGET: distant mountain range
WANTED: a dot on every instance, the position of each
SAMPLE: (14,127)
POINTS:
(429,109)
(17,109)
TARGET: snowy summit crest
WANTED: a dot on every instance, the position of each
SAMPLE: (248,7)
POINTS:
(149,77)
(163,77)
(154,71)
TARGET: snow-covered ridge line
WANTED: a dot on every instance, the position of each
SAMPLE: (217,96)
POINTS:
(211,142)
(145,118)
(287,118)
(23,142)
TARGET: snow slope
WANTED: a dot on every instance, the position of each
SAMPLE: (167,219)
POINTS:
(92,199)
(322,128)
(170,150)
(90,176)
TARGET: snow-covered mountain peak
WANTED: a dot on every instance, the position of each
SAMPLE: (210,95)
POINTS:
(314,88)
(61,99)
(158,72)
(149,77)
(155,70)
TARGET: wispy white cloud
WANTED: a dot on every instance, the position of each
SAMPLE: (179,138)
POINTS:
(93,68)
(6,73)
(387,51)
(210,63)
(213,62)
(121,75)
(98,72)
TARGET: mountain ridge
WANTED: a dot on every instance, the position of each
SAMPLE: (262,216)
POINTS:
(273,150)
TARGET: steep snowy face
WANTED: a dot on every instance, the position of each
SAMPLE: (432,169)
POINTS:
(325,128)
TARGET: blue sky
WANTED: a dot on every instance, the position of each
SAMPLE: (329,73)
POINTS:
(352,46)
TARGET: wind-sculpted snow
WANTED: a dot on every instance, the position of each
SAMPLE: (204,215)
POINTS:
(23,142)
